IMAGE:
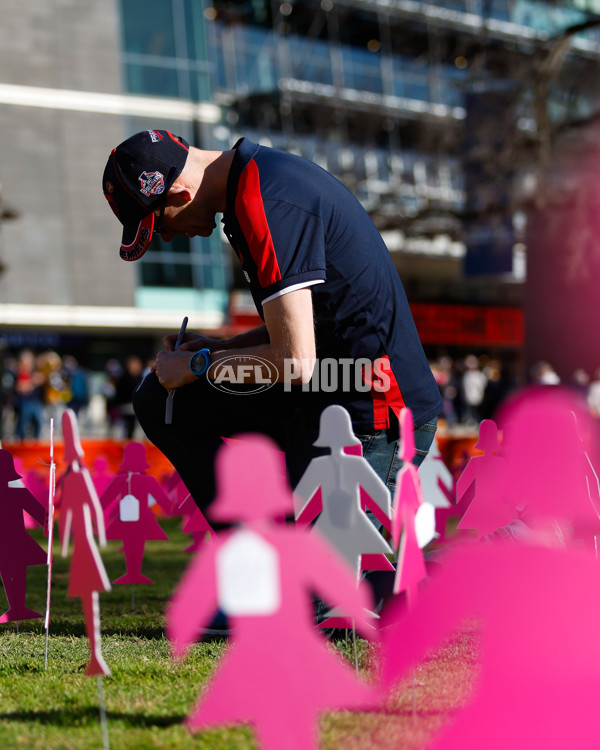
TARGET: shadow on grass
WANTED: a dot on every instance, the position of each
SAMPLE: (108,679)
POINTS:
(83,716)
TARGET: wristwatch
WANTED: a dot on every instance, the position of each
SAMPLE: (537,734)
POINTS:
(200,362)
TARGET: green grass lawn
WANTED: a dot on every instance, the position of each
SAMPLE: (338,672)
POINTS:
(148,695)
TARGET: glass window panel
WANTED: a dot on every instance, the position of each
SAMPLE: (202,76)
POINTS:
(148,27)
(194,29)
(310,60)
(166,274)
(179,244)
(361,70)
(149,79)
(200,86)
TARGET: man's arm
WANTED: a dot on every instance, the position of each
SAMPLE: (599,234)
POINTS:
(290,338)
(192,342)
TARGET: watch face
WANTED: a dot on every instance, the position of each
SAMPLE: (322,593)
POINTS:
(198,363)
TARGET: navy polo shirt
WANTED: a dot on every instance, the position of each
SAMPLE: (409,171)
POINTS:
(293,225)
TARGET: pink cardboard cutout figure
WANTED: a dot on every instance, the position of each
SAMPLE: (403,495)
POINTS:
(408,503)
(126,502)
(538,680)
(261,575)
(17,549)
(548,427)
(483,480)
(536,601)
(80,511)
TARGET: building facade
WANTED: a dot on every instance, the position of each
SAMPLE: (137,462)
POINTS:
(436,115)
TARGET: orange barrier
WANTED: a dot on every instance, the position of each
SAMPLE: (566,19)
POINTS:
(36,453)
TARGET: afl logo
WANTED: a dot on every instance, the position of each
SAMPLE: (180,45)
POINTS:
(254,373)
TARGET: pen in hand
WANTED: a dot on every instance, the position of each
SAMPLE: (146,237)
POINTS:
(171,394)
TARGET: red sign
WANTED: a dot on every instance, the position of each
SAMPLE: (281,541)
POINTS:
(469,325)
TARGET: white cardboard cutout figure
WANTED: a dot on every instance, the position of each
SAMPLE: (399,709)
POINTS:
(436,479)
(340,477)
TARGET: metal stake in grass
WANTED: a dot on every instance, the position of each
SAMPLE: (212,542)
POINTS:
(51,493)
(355,648)
(102,708)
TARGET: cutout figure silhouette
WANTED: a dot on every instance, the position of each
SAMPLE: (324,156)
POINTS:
(408,504)
(535,601)
(126,504)
(437,486)
(80,512)
(340,477)
(18,550)
(482,481)
(262,575)
(538,677)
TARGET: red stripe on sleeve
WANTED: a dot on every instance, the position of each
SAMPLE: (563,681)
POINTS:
(250,212)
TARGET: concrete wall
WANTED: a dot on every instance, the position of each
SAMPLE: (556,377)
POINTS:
(63,247)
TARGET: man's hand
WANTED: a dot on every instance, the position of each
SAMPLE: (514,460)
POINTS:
(173,369)
(192,342)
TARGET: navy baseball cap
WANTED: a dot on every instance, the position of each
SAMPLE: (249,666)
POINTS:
(137,178)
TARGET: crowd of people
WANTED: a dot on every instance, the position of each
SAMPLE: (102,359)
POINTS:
(473,387)
(37,387)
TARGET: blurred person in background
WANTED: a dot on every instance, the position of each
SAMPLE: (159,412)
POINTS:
(580,382)
(501,381)
(446,377)
(113,371)
(29,390)
(542,373)
(77,383)
(56,392)
(126,384)
(473,386)
(8,384)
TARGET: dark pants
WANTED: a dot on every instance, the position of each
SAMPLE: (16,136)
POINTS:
(203,415)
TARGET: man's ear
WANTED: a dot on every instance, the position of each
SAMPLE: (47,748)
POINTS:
(181,191)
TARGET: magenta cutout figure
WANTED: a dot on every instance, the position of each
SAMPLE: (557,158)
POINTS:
(482,485)
(126,504)
(101,474)
(261,575)
(132,478)
(80,511)
(408,503)
(195,523)
(36,484)
(18,550)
